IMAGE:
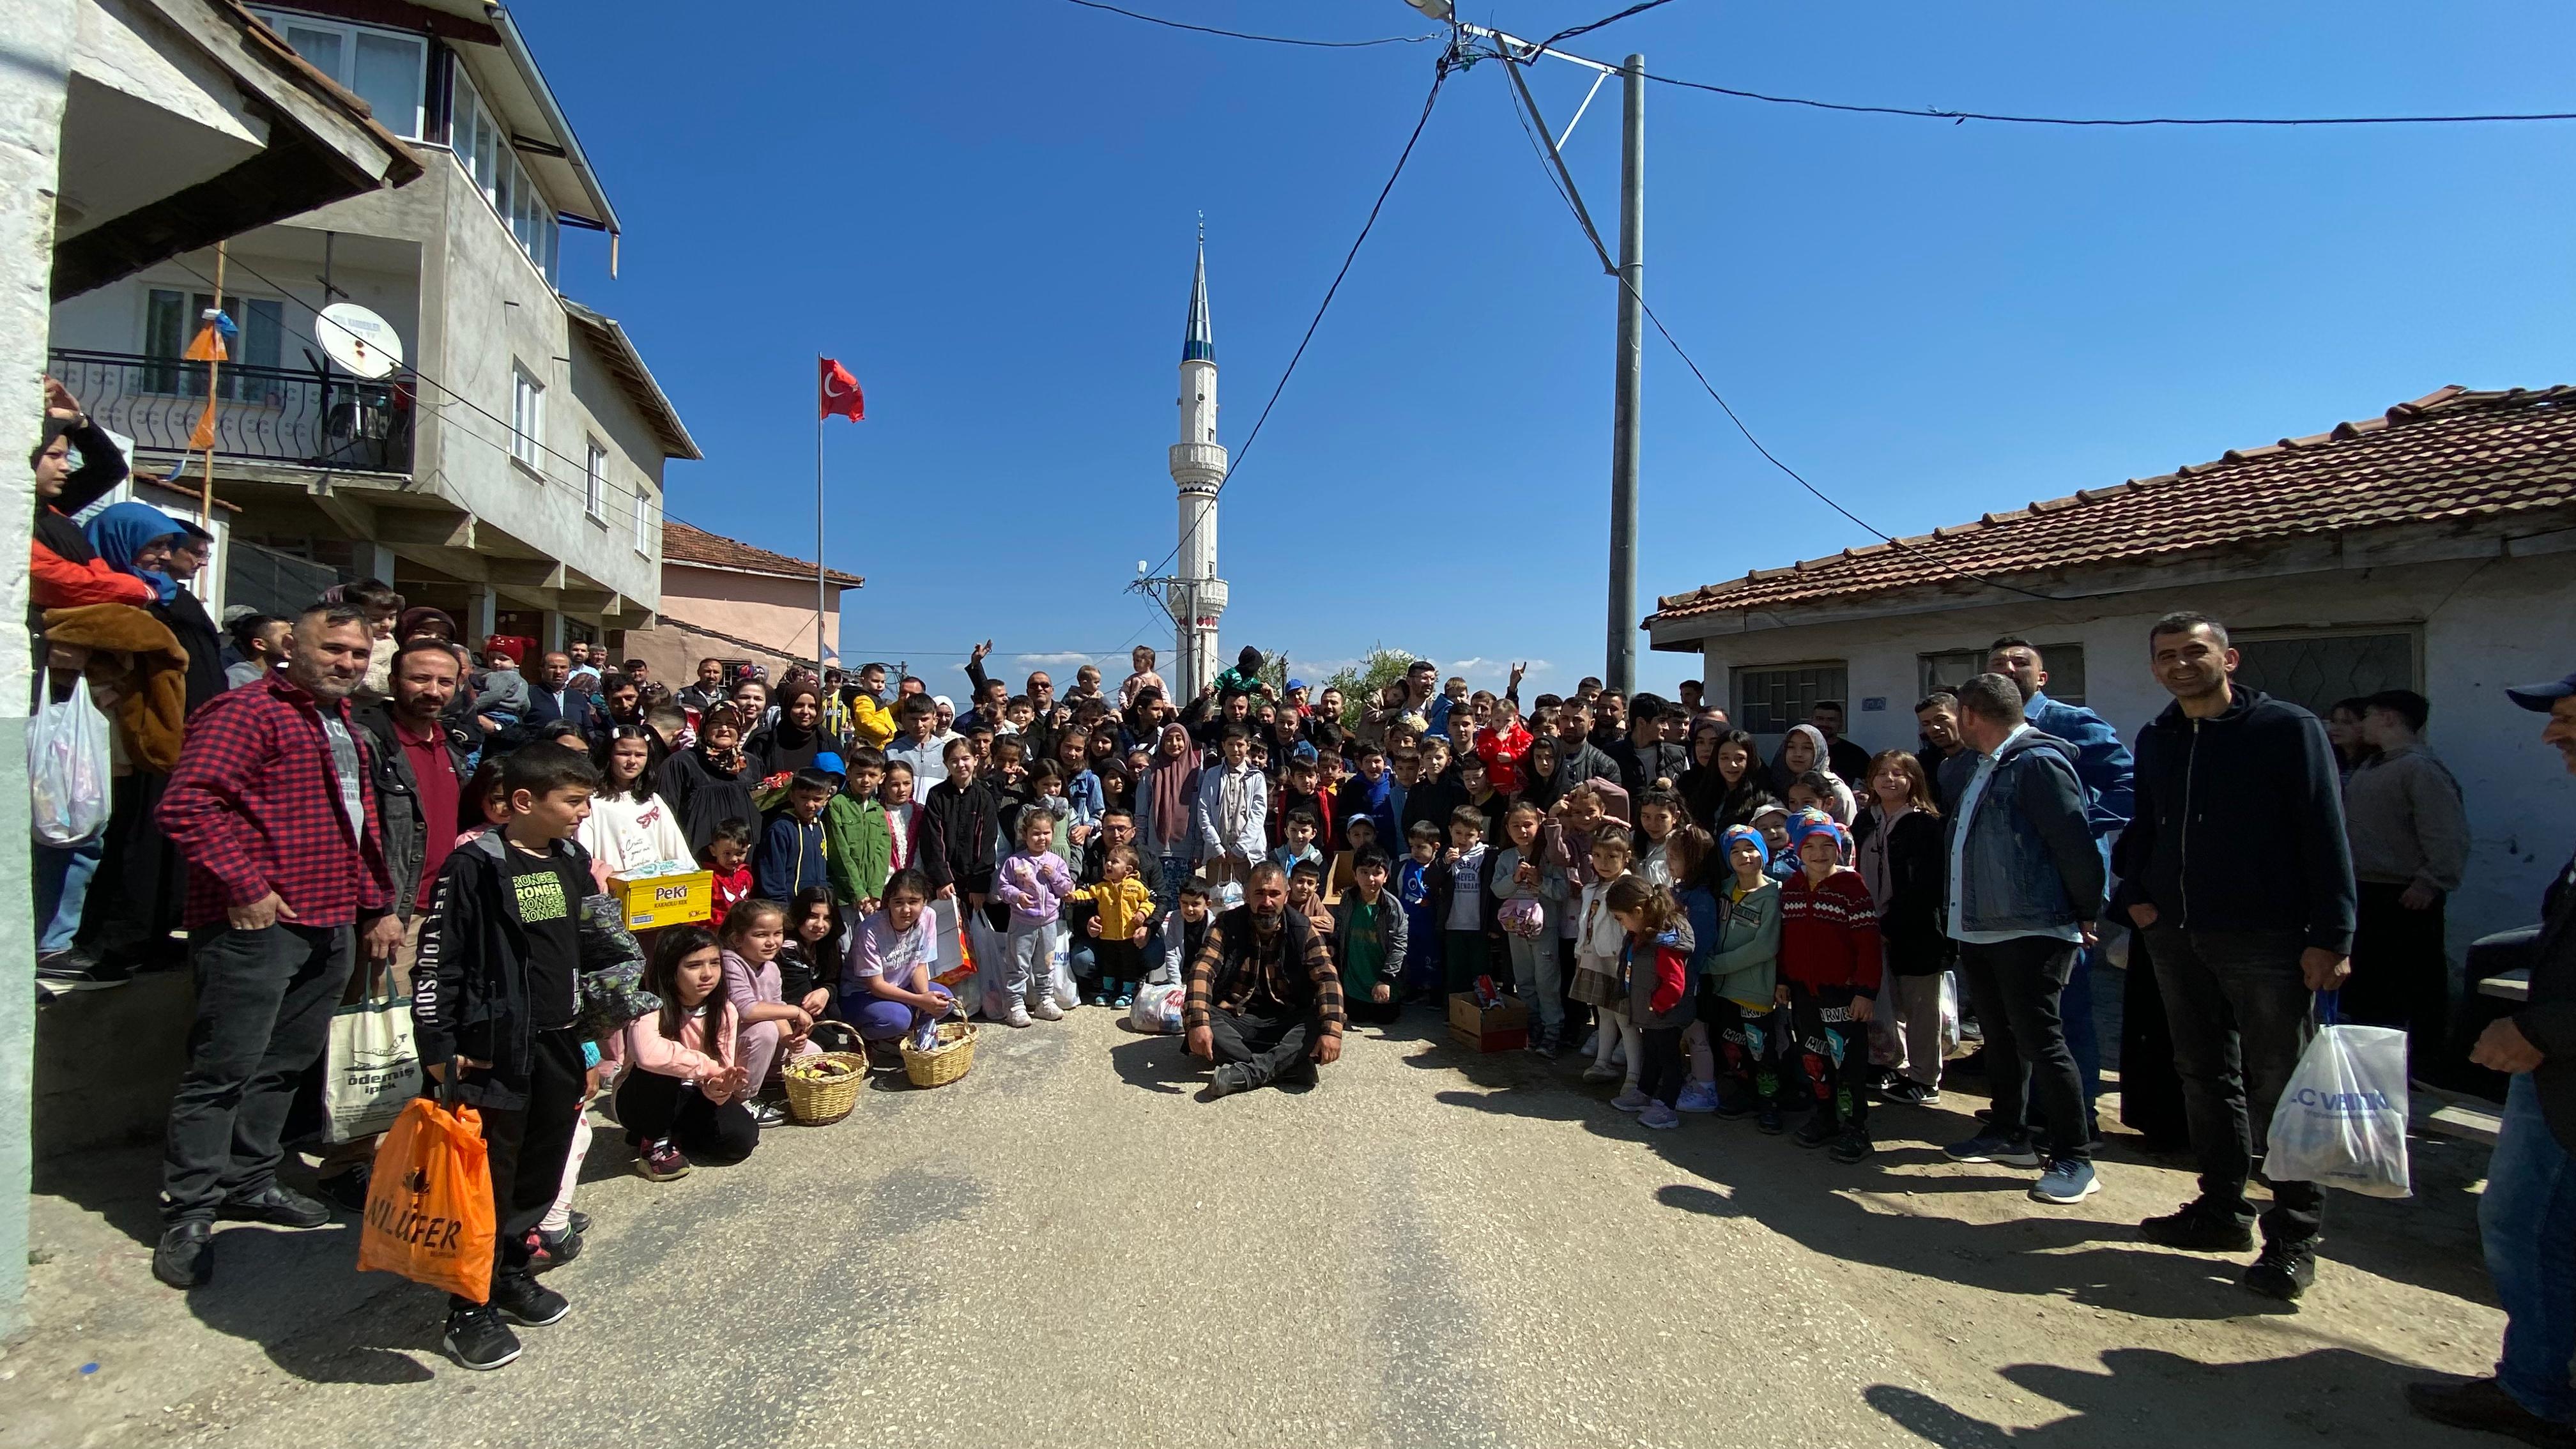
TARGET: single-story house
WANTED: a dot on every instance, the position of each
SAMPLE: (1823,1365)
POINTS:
(2431,548)
(724,599)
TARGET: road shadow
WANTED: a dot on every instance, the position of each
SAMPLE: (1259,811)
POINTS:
(2333,1394)
(298,1295)
(1804,1196)
(1157,1064)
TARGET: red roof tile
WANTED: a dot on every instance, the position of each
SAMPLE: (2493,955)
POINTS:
(2454,454)
(682,544)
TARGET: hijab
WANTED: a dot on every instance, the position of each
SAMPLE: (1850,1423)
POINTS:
(1168,783)
(123,530)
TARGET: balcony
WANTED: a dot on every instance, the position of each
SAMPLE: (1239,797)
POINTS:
(262,414)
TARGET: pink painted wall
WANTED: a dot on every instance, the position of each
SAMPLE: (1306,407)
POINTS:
(773,611)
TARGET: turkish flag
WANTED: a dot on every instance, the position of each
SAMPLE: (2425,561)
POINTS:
(840,393)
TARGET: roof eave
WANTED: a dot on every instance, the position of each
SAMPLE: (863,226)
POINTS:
(628,364)
(515,46)
(833,578)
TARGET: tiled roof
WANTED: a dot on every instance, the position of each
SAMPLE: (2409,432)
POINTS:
(2452,455)
(682,544)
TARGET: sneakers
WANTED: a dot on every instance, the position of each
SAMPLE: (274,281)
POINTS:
(2067,1180)
(2484,1404)
(1994,1147)
(2201,1228)
(1602,1072)
(1853,1146)
(478,1339)
(186,1256)
(72,969)
(1631,1100)
(552,1250)
(523,1300)
(768,1112)
(2285,1271)
(1123,996)
(1045,1009)
(660,1160)
(1771,1121)
(1101,997)
(1015,1014)
(1905,1091)
(1819,1129)
(1698,1097)
(1659,1116)
(279,1207)
(1225,1081)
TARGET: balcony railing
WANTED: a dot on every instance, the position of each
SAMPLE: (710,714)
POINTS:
(268,414)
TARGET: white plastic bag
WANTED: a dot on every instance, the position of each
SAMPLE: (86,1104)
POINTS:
(372,1069)
(2342,1118)
(1158,1009)
(67,768)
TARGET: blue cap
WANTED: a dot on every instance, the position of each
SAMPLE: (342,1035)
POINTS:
(1296,684)
(829,763)
(2541,696)
(1304,754)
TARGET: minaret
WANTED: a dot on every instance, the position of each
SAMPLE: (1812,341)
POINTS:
(1197,596)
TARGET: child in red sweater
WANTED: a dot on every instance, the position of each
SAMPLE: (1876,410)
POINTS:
(1829,971)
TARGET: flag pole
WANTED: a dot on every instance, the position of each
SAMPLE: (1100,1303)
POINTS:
(214,365)
(819,591)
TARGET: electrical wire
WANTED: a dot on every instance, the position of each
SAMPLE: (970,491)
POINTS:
(1936,113)
(1638,8)
(1268,39)
(1891,540)
(1439,78)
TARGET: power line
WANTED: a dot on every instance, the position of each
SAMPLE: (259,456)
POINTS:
(1440,77)
(1638,8)
(1269,39)
(1936,113)
(1583,220)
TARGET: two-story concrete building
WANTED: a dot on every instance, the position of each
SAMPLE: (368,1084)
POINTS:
(510,470)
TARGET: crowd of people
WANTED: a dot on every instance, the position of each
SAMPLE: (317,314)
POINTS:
(352,793)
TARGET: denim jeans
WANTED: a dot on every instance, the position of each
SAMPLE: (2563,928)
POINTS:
(2239,1009)
(62,883)
(1537,977)
(2528,1219)
(264,1004)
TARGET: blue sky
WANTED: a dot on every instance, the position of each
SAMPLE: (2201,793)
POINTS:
(987,212)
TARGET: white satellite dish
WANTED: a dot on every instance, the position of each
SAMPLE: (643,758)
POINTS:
(359,340)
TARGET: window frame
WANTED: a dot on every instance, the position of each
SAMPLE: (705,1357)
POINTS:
(2411,632)
(349,32)
(1923,667)
(594,481)
(510,189)
(643,521)
(527,419)
(1743,715)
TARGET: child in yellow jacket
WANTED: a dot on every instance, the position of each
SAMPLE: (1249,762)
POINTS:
(1122,917)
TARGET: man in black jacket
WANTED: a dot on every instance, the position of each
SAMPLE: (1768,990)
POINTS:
(551,696)
(2527,1217)
(2237,868)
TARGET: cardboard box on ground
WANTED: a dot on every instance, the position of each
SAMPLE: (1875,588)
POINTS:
(1499,1028)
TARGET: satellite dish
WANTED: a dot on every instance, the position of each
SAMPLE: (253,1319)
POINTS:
(359,340)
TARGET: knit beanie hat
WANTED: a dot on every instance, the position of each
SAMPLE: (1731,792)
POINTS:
(1734,833)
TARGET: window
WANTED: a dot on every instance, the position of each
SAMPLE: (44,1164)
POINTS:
(387,69)
(170,322)
(1770,699)
(643,521)
(2316,669)
(527,419)
(1951,668)
(594,482)
(481,142)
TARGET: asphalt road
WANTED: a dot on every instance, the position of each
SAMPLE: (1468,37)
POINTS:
(1427,1249)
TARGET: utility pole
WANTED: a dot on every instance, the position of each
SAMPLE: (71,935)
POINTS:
(1619,665)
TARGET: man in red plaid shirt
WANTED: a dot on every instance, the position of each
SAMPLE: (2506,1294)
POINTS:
(272,808)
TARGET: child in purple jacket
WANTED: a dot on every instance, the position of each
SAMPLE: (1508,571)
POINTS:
(1033,882)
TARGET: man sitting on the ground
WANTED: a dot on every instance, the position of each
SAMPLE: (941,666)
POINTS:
(1264,1001)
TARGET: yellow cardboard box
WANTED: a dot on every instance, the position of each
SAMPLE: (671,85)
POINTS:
(653,901)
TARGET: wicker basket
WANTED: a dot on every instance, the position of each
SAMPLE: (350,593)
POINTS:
(822,1089)
(954,1057)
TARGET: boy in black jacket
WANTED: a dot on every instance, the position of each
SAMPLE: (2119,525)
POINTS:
(958,830)
(495,999)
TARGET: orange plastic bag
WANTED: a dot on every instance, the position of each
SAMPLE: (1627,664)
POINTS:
(429,1201)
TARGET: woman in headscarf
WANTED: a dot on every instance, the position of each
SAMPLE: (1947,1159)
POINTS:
(1164,796)
(135,897)
(797,737)
(710,782)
